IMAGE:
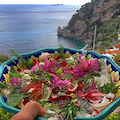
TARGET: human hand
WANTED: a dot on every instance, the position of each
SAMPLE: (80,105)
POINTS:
(29,112)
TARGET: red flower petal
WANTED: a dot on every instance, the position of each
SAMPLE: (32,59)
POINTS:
(93,96)
(80,86)
(58,58)
(80,94)
(63,63)
(38,86)
(26,100)
(19,70)
(36,94)
(35,62)
(95,112)
(60,98)
(28,87)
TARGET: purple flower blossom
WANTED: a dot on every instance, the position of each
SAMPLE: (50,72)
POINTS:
(92,87)
(59,84)
(35,67)
(16,81)
(49,65)
(84,67)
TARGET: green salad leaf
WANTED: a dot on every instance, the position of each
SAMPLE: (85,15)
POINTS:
(67,76)
(59,71)
(14,98)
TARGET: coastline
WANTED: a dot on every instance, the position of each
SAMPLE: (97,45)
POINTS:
(27,33)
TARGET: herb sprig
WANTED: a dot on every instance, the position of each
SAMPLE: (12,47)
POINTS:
(61,52)
(28,63)
(69,110)
(109,87)
(87,79)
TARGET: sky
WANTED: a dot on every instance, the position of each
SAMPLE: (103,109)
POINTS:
(69,2)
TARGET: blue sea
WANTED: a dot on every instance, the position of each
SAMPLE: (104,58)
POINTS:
(26,28)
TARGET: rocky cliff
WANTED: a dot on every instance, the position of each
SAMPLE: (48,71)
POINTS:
(97,12)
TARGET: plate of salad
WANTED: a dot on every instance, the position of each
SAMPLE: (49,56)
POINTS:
(70,84)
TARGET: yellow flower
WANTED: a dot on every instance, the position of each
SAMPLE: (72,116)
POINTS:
(15,68)
(2,93)
(118,83)
(43,55)
(6,76)
(76,54)
(67,54)
(20,65)
(116,75)
(54,55)
(109,66)
(33,57)
(89,57)
(118,93)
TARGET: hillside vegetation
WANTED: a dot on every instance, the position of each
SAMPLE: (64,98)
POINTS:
(103,13)
(4,58)
(107,34)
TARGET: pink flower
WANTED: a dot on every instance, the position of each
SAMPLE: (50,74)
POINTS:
(79,71)
(84,67)
(94,65)
(59,84)
(16,81)
(79,57)
(35,67)
(92,87)
(49,65)
(69,71)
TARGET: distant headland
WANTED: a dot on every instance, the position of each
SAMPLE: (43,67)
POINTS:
(56,4)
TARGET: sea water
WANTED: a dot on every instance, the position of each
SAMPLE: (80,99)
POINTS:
(26,28)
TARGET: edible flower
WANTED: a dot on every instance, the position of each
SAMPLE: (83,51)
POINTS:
(83,67)
(101,81)
(94,96)
(59,84)
(16,81)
